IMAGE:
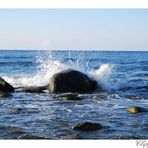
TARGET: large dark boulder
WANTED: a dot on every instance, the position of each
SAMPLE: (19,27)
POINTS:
(71,81)
(5,87)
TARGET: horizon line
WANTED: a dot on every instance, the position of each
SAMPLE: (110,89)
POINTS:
(75,49)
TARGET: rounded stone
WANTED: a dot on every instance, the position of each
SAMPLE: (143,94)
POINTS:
(71,81)
(87,126)
(136,109)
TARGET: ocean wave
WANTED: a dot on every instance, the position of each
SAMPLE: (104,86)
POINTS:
(47,66)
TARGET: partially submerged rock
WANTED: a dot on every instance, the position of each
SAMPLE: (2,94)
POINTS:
(32,89)
(70,96)
(136,109)
(11,132)
(72,81)
(5,94)
(87,126)
(30,137)
(15,110)
(69,137)
(5,87)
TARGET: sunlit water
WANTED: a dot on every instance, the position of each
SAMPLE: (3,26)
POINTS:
(122,75)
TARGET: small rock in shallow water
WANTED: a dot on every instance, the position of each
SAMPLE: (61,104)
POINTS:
(15,110)
(70,137)
(32,89)
(70,97)
(5,95)
(136,109)
(31,137)
(87,126)
(130,137)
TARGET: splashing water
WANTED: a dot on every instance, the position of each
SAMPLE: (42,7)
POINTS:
(102,75)
(47,66)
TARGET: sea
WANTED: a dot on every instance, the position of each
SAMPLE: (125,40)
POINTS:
(123,76)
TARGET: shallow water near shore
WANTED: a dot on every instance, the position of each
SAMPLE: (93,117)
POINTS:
(122,75)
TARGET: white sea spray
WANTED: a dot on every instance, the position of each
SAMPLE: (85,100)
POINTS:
(47,65)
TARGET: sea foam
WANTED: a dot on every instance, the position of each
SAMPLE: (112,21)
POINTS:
(46,66)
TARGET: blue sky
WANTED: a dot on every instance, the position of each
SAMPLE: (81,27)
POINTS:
(99,29)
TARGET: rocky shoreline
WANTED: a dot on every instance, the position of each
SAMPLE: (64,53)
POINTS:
(70,82)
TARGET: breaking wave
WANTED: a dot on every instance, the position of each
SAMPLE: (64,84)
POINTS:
(47,65)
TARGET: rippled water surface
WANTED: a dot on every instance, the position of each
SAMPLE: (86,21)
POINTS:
(122,75)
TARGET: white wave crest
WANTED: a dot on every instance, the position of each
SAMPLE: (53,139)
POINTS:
(47,66)
(102,76)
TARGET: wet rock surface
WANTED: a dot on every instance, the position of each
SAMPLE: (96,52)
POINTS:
(71,81)
(88,126)
(32,89)
(31,137)
(5,94)
(136,109)
(70,96)
(5,87)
